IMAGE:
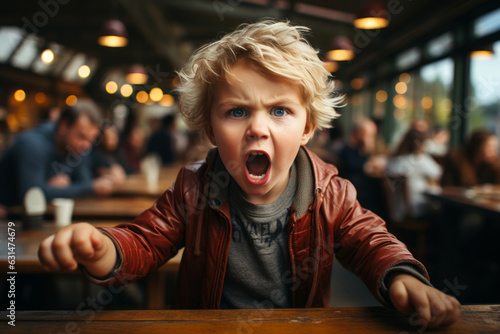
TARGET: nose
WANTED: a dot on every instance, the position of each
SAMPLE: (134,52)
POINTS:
(258,126)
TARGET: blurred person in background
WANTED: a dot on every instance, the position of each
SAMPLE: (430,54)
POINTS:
(411,160)
(104,157)
(197,148)
(475,163)
(162,141)
(54,157)
(361,164)
(328,143)
(419,124)
(132,149)
(437,144)
(50,114)
(168,141)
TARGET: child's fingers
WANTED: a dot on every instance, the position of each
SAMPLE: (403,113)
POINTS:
(97,240)
(399,298)
(62,250)
(46,256)
(452,312)
(439,307)
(77,243)
(421,304)
(432,307)
(81,243)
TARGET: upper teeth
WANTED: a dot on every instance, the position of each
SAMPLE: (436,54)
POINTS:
(257,153)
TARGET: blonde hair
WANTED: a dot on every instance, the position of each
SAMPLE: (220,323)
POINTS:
(275,48)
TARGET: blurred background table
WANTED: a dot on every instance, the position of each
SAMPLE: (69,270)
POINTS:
(466,247)
(123,208)
(474,319)
(483,199)
(136,184)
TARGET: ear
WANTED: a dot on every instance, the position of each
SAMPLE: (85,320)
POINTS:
(308,133)
(210,135)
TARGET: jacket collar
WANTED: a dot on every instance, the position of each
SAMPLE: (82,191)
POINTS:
(305,183)
(313,174)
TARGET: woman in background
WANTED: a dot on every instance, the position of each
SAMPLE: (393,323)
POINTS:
(475,163)
(421,170)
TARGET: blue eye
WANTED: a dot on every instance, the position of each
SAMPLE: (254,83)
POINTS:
(279,111)
(237,112)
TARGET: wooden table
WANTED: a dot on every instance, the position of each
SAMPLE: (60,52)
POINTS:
(122,208)
(26,258)
(467,199)
(136,184)
(474,319)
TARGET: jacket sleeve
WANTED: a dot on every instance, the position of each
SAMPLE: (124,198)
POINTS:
(149,241)
(362,243)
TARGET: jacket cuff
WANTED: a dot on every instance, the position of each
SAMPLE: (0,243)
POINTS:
(113,273)
(403,268)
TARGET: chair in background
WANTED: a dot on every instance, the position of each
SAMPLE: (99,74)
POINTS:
(401,220)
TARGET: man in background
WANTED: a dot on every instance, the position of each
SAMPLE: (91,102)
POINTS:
(361,164)
(54,157)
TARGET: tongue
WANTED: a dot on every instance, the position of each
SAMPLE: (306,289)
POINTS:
(257,164)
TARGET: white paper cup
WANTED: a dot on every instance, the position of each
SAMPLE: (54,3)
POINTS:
(63,211)
(150,167)
(152,177)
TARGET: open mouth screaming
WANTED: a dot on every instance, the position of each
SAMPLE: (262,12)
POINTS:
(257,166)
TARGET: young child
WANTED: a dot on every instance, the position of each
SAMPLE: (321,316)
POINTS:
(262,217)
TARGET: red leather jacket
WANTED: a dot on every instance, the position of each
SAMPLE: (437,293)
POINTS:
(325,219)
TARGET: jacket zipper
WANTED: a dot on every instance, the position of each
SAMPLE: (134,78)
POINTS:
(218,278)
(292,267)
(317,247)
(197,250)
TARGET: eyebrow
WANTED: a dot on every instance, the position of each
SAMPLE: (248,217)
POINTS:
(239,102)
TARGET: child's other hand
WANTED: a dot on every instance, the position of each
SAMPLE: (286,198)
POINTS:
(433,307)
(59,181)
(78,243)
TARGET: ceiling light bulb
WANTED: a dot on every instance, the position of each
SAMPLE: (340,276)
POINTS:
(47,56)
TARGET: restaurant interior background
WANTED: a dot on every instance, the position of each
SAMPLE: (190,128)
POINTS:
(425,64)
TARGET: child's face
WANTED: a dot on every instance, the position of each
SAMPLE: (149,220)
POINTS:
(258,124)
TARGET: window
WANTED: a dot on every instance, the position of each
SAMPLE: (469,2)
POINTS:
(401,92)
(25,55)
(408,59)
(487,24)
(440,45)
(380,101)
(10,37)
(71,71)
(423,94)
(483,102)
(357,107)
(434,101)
